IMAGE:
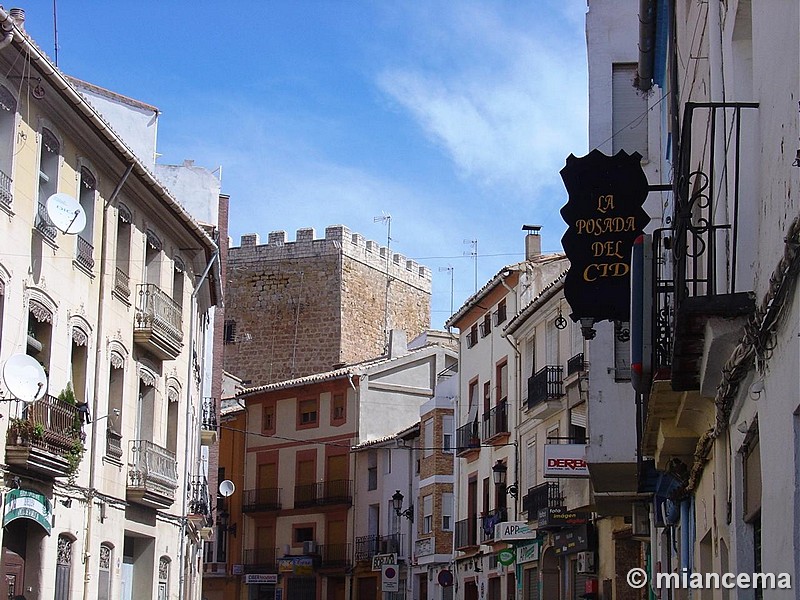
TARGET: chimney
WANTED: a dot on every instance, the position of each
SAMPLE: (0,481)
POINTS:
(398,343)
(533,241)
(18,16)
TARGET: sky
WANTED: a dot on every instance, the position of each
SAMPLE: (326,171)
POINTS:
(454,118)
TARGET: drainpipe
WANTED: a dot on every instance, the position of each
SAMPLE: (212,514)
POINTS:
(188,438)
(87,572)
(518,376)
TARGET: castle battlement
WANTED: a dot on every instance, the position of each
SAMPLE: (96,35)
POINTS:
(337,238)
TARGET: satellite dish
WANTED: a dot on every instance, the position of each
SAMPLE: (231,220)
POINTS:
(66,213)
(226,488)
(25,378)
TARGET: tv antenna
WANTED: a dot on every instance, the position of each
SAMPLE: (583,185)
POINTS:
(473,252)
(451,270)
(66,213)
(25,378)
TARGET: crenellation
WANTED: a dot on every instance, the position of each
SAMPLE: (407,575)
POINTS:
(306,234)
(250,239)
(276,238)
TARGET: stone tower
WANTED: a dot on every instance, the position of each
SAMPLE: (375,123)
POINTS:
(297,308)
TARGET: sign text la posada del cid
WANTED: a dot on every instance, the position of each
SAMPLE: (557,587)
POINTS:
(604,215)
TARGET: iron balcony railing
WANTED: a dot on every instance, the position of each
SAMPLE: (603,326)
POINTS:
(155,310)
(546,384)
(368,546)
(545,495)
(663,294)
(338,491)
(49,424)
(260,557)
(84,253)
(6,195)
(262,499)
(113,444)
(495,422)
(200,502)
(43,223)
(152,466)
(466,532)
(122,283)
(467,437)
(209,418)
(335,555)
(576,364)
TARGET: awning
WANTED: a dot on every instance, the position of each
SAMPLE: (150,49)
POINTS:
(25,504)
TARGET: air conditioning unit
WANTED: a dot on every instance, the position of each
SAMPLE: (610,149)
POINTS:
(310,547)
(585,562)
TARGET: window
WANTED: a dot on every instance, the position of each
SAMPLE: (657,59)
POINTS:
(427,427)
(87,193)
(338,408)
(473,396)
(229,331)
(177,282)
(501,314)
(472,336)
(487,398)
(8,118)
(122,284)
(427,513)
(104,574)
(40,332)
(49,157)
(502,381)
(163,578)
(447,511)
(269,417)
(152,259)
(307,412)
(530,463)
(486,325)
(447,433)
(303,534)
(63,567)
(387,464)
(372,470)
(628,112)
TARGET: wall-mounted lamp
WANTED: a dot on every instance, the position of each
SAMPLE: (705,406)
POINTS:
(499,474)
(397,504)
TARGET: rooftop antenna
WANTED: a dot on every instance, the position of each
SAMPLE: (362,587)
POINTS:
(450,269)
(66,213)
(55,32)
(25,378)
(473,252)
(386,218)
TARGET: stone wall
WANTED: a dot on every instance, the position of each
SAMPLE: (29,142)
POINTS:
(303,307)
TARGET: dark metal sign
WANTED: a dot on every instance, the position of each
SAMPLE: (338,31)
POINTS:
(604,216)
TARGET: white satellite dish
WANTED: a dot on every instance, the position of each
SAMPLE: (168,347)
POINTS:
(66,213)
(226,488)
(25,378)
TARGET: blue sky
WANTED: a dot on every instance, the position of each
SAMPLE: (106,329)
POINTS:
(453,117)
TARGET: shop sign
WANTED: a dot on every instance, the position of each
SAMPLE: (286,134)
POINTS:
(25,504)
(296,565)
(552,518)
(565,460)
(506,557)
(383,559)
(604,215)
(571,540)
(261,578)
(513,530)
(527,553)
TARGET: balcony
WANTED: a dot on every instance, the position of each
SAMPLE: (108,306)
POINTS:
(467,439)
(488,522)
(152,475)
(545,495)
(495,422)
(545,391)
(157,324)
(368,546)
(122,284)
(260,560)
(466,533)
(577,365)
(46,439)
(324,493)
(261,500)
(200,504)
(84,254)
(6,193)
(113,444)
(44,225)
(208,424)
(335,556)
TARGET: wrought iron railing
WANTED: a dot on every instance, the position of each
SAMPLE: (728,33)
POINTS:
(262,499)
(113,444)
(368,546)
(152,466)
(209,418)
(467,437)
(6,193)
(663,302)
(546,384)
(200,502)
(337,491)
(156,310)
(43,223)
(50,424)
(466,532)
(576,364)
(84,253)
(122,283)
(335,555)
(545,495)
(262,557)
(495,422)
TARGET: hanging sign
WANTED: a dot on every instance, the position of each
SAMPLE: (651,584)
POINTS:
(25,504)
(565,460)
(604,215)
(506,557)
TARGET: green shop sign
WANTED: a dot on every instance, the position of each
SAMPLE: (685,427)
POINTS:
(24,504)
(505,557)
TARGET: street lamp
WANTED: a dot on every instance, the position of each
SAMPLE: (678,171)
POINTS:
(397,504)
(499,472)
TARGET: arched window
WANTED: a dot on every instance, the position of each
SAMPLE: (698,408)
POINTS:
(104,572)
(163,577)
(63,567)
